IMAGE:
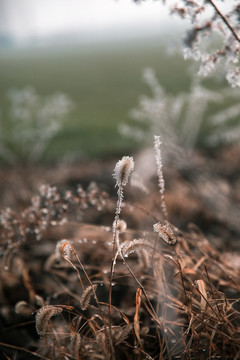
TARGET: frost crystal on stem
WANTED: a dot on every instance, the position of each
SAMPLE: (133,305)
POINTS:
(161,185)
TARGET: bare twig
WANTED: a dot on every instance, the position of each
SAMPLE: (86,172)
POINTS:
(225,20)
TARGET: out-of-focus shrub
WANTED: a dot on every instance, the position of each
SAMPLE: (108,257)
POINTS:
(29,124)
(201,118)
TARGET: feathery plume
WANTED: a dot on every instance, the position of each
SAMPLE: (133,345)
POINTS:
(123,170)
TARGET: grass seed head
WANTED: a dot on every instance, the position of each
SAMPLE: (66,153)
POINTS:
(165,232)
(75,344)
(44,315)
(86,296)
(123,170)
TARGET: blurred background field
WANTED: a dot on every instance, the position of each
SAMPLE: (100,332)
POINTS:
(95,55)
(104,82)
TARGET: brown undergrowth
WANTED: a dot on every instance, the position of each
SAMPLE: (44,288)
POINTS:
(70,289)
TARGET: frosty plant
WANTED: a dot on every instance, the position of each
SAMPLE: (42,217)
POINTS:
(194,119)
(122,172)
(173,294)
(211,20)
(30,124)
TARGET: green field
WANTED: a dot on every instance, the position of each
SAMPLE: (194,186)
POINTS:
(103,80)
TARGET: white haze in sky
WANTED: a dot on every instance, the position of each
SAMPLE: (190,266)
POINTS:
(22,19)
(30,19)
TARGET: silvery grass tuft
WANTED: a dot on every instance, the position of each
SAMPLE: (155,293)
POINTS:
(122,172)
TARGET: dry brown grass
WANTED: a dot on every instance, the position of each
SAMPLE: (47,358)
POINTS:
(169,299)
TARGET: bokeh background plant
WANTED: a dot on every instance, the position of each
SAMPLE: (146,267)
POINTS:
(100,70)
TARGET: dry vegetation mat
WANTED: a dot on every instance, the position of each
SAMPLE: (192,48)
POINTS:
(151,274)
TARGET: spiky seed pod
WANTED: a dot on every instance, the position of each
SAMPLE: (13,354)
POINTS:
(165,232)
(123,170)
(75,344)
(86,296)
(44,315)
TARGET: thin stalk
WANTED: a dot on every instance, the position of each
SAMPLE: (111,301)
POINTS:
(225,20)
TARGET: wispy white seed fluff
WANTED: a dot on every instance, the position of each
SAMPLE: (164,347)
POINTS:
(123,170)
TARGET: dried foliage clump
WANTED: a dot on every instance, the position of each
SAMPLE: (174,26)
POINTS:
(75,287)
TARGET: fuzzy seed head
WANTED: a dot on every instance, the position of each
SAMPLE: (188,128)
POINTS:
(165,232)
(44,316)
(123,170)
(75,344)
(86,296)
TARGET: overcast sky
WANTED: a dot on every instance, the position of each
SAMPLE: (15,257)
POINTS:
(24,19)
(30,18)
